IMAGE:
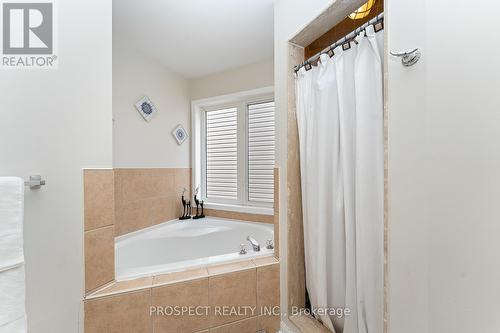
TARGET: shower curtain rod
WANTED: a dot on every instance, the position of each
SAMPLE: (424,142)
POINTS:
(379,19)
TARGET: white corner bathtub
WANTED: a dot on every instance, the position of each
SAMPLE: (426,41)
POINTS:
(180,245)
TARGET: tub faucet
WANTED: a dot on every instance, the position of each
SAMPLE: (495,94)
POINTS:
(255,244)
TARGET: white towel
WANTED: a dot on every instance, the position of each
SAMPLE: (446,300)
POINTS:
(12,275)
(12,300)
(11,222)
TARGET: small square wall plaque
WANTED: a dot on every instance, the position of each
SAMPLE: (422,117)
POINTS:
(180,134)
(146,108)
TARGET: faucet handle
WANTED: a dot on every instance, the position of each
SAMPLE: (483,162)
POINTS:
(269,244)
(243,249)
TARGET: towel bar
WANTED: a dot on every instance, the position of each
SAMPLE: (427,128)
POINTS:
(35,182)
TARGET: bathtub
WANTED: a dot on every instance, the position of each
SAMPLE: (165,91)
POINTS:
(180,245)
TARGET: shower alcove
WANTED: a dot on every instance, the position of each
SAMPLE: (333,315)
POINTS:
(324,30)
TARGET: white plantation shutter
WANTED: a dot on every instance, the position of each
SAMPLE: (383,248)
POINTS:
(261,152)
(222,154)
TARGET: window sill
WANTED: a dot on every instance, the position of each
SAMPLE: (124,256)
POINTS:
(240,209)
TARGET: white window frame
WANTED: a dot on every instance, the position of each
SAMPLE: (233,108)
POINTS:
(198,109)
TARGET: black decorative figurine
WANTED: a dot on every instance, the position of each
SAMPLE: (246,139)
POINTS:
(186,208)
(198,216)
(189,210)
(202,215)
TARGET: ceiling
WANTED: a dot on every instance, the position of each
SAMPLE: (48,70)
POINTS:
(197,37)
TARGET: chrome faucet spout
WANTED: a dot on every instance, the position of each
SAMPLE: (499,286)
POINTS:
(255,244)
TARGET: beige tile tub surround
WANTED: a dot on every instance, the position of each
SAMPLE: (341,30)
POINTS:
(249,325)
(129,200)
(99,198)
(264,261)
(277,212)
(253,282)
(239,216)
(125,200)
(268,277)
(237,289)
(231,267)
(192,274)
(99,257)
(295,251)
(125,286)
(189,293)
(99,218)
(145,197)
(124,313)
(268,296)
(270,324)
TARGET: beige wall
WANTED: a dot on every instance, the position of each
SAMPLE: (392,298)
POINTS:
(141,144)
(243,78)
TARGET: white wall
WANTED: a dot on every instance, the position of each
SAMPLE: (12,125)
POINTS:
(249,77)
(137,143)
(409,172)
(54,123)
(444,160)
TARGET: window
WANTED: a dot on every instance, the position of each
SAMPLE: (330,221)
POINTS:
(261,152)
(221,178)
(236,151)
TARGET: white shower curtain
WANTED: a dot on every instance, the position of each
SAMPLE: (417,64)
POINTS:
(340,120)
